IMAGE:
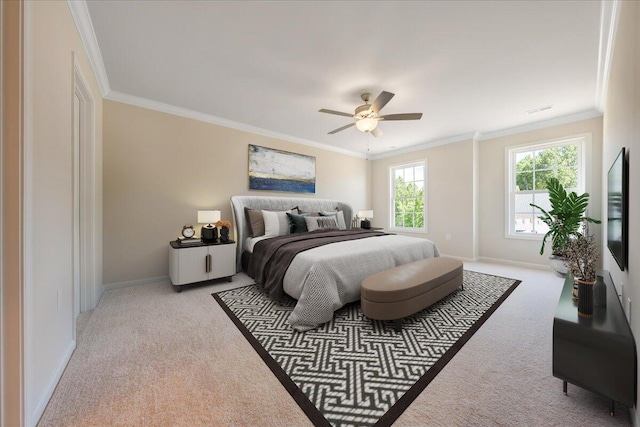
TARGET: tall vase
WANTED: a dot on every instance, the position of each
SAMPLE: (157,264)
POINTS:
(600,293)
(224,234)
(585,297)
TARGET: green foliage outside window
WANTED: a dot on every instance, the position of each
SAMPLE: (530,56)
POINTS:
(535,169)
(408,204)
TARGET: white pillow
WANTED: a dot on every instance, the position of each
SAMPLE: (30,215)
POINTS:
(275,223)
(339,218)
(320,223)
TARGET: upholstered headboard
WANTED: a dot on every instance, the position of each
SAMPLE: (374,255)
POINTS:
(241,227)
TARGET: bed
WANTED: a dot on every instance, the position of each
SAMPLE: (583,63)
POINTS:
(324,278)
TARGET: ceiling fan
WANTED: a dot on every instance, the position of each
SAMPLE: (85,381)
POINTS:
(367,115)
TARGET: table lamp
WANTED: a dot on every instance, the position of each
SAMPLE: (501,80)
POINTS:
(365,222)
(208,233)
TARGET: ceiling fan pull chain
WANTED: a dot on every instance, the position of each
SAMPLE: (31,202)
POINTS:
(366,135)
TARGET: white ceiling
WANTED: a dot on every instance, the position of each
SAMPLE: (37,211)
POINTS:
(269,66)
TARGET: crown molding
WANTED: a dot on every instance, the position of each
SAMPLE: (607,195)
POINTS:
(208,118)
(610,13)
(82,20)
(475,135)
(478,136)
(431,144)
(570,118)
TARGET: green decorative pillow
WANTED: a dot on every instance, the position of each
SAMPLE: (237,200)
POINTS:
(297,223)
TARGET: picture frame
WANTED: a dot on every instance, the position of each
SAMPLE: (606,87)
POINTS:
(277,170)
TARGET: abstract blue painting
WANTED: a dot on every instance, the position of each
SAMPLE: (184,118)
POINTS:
(277,170)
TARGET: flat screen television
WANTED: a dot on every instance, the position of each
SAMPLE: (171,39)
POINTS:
(617,209)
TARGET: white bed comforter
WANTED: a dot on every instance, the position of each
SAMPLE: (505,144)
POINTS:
(326,278)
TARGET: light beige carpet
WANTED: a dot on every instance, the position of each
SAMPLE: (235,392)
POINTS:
(150,356)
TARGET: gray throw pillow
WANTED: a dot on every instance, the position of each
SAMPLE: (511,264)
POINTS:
(256,222)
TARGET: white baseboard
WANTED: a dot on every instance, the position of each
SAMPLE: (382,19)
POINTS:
(120,285)
(516,263)
(99,294)
(501,261)
(463,259)
(48,391)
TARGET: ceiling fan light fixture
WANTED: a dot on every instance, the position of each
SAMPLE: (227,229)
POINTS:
(367,124)
(367,115)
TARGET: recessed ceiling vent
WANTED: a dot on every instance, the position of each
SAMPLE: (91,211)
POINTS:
(537,110)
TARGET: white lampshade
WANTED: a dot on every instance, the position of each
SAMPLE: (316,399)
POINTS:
(367,124)
(365,214)
(208,217)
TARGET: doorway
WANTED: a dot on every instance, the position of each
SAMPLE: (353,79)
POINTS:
(85,291)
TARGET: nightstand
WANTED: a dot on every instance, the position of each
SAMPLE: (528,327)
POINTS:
(202,262)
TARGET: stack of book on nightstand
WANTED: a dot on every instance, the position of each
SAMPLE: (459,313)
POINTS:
(183,241)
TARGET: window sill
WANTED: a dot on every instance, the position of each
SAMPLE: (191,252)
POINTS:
(525,236)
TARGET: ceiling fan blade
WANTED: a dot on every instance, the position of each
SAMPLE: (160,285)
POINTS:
(377,132)
(381,101)
(404,116)
(341,129)
(337,113)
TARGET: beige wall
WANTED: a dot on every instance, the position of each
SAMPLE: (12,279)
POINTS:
(492,185)
(622,129)
(466,192)
(450,172)
(11,280)
(49,194)
(160,169)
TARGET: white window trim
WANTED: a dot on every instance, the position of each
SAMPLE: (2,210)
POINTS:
(584,163)
(425,229)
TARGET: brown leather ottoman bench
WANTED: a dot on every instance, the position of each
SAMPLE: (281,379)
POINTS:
(406,289)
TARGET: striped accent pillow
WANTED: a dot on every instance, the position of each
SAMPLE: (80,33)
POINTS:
(320,223)
(275,223)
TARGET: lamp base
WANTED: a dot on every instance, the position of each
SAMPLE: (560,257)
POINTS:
(366,224)
(209,234)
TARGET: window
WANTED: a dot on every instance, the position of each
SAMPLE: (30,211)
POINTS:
(408,196)
(529,169)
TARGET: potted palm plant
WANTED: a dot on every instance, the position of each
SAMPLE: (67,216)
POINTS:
(564,221)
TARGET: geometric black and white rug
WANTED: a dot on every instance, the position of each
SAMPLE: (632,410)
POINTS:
(353,371)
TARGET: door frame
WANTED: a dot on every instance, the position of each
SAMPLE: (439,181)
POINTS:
(86,181)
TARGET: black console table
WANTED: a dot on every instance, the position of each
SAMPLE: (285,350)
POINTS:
(597,353)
